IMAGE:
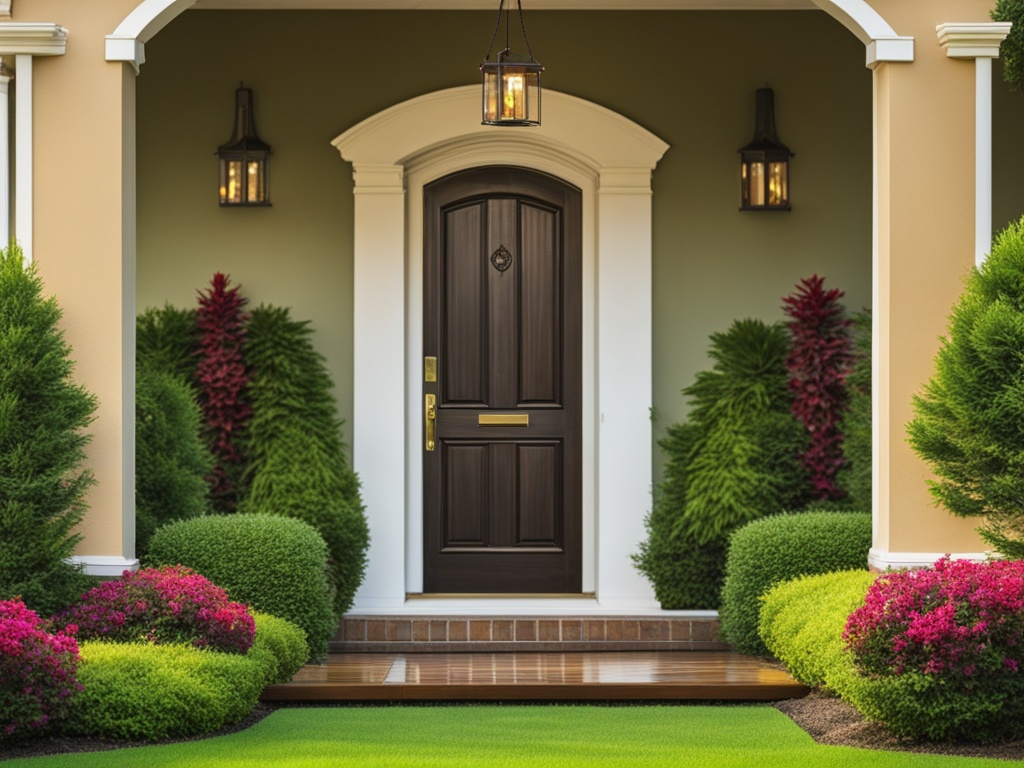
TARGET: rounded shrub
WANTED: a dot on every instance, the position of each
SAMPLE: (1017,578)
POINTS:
(141,691)
(280,646)
(37,672)
(172,604)
(774,549)
(802,624)
(940,651)
(277,565)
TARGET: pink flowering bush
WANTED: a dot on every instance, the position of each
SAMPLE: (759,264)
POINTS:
(37,671)
(171,604)
(940,650)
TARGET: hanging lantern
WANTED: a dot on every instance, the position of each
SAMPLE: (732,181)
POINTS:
(511,84)
(764,162)
(244,159)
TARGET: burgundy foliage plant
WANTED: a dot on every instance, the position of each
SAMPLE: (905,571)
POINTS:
(222,378)
(818,362)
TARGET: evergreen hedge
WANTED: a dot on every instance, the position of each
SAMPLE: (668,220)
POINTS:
(733,461)
(43,417)
(298,466)
(969,423)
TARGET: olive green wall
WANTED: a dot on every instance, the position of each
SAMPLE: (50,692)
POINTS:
(1007,152)
(688,77)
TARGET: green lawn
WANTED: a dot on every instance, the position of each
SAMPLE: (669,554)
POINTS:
(510,736)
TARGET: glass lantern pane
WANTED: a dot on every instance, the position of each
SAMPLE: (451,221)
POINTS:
(778,192)
(254,182)
(490,96)
(755,184)
(513,103)
(231,182)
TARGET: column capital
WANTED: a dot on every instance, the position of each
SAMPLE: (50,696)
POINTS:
(973,41)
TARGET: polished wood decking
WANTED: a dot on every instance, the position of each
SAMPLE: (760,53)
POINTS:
(606,676)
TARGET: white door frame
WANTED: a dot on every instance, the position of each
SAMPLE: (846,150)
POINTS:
(393,155)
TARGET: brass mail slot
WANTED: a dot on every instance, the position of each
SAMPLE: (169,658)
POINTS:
(503,420)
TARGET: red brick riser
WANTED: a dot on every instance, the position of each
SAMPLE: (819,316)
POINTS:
(481,634)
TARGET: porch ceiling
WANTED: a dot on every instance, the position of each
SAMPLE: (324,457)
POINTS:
(550,5)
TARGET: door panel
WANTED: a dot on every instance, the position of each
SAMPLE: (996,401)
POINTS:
(502,315)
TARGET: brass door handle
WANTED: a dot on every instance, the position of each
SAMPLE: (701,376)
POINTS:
(430,419)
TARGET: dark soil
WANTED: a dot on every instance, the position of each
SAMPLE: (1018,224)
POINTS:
(828,720)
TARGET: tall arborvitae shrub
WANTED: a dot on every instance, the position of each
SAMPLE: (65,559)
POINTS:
(969,423)
(171,460)
(818,362)
(735,460)
(297,465)
(855,476)
(167,339)
(1011,50)
(221,377)
(43,417)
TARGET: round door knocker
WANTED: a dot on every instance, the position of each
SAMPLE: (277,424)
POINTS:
(501,259)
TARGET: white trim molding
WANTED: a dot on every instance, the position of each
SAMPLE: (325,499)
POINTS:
(980,42)
(884,560)
(394,154)
(127,42)
(32,38)
(105,566)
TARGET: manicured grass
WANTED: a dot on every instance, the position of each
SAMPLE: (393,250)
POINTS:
(511,736)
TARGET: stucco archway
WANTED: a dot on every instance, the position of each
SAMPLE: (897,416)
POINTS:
(610,158)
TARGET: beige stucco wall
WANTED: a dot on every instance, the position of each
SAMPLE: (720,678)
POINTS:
(79,244)
(926,236)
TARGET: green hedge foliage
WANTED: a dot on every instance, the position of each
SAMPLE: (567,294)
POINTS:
(778,548)
(274,564)
(142,691)
(167,339)
(802,622)
(171,460)
(43,418)
(279,646)
(855,475)
(736,459)
(298,466)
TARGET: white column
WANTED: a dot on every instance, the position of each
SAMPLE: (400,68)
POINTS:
(981,43)
(23,153)
(378,428)
(624,385)
(5,160)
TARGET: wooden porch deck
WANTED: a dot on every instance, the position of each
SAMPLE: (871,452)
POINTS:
(570,676)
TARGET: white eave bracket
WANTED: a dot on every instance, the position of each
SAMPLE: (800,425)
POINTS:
(894,49)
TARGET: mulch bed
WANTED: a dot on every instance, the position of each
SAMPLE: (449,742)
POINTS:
(828,720)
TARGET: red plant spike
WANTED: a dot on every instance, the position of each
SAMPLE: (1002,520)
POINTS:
(222,378)
(819,362)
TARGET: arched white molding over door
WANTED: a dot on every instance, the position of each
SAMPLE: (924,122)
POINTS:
(393,154)
(127,42)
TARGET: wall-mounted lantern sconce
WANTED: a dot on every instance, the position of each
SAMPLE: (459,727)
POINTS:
(511,89)
(764,162)
(244,159)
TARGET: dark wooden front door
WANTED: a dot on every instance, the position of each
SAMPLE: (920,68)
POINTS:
(502,437)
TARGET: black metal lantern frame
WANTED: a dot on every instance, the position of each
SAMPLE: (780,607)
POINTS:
(511,84)
(244,160)
(764,162)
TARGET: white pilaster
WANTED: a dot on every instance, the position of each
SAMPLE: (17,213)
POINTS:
(378,424)
(981,43)
(5,160)
(23,154)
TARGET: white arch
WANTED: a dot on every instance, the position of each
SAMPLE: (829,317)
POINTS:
(610,158)
(128,41)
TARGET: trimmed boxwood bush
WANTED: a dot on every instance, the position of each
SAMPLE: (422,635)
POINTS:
(274,564)
(802,624)
(774,549)
(142,691)
(280,647)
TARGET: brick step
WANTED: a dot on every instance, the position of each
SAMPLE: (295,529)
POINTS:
(448,634)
